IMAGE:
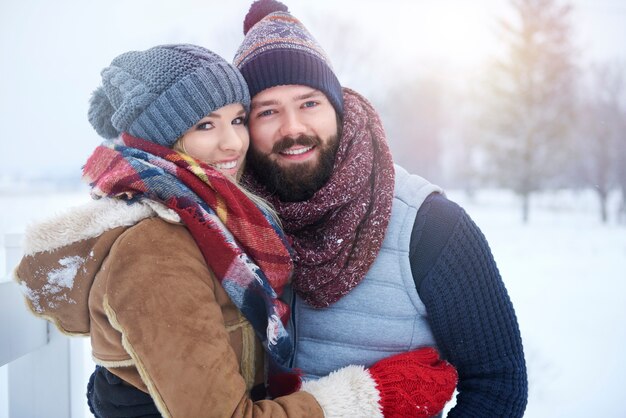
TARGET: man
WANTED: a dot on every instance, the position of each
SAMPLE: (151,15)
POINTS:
(383,265)
(384,262)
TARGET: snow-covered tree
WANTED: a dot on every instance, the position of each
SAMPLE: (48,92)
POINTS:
(528,112)
(601,140)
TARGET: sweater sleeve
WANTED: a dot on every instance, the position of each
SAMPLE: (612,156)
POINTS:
(469,310)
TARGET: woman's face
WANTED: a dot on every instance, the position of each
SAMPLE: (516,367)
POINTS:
(220,139)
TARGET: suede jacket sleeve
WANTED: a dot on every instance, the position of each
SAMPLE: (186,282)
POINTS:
(161,297)
(469,310)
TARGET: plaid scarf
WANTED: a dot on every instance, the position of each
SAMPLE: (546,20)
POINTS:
(240,243)
(337,233)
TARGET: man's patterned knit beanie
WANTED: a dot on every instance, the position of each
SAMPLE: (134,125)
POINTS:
(160,93)
(278,50)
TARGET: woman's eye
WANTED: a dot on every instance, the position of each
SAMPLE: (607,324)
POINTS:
(205,126)
(239,121)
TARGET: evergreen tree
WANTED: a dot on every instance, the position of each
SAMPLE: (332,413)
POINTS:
(601,141)
(530,97)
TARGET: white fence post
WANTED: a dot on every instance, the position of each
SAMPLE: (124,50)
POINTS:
(21,331)
(39,382)
(4,392)
(44,372)
(12,251)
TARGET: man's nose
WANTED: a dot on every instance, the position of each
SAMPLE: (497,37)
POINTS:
(291,125)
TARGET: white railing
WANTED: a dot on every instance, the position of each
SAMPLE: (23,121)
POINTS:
(42,372)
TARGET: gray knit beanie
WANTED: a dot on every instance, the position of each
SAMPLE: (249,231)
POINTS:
(160,93)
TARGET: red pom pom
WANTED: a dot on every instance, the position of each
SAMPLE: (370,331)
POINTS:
(259,9)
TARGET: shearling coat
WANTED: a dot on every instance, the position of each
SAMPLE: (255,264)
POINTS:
(133,279)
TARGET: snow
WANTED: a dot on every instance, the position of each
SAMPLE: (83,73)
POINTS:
(565,272)
(58,282)
(64,277)
(32,296)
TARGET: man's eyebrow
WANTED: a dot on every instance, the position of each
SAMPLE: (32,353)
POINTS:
(308,95)
(256,104)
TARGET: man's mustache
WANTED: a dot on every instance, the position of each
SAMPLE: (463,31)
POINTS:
(288,142)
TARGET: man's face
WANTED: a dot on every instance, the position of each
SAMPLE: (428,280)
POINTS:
(294,139)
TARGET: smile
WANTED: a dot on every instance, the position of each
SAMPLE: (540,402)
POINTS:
(297,151)
(226,165)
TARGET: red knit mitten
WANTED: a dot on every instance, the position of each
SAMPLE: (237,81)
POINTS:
(414,384)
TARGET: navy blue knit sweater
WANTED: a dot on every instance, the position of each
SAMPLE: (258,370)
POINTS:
(470,313)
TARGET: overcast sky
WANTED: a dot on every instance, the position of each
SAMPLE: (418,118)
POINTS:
(51,53)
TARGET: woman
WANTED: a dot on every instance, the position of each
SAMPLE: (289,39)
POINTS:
(175,271)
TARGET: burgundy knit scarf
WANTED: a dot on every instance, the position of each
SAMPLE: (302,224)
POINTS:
(338,232)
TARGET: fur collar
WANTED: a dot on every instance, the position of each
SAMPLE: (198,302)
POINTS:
(90,220)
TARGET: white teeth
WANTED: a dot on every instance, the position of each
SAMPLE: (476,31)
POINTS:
(226,166)
(297,151)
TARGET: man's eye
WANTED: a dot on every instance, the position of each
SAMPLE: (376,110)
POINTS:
(205,126)
(267,112)
(310,103)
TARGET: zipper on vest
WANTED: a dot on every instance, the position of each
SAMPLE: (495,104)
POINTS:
(293,328)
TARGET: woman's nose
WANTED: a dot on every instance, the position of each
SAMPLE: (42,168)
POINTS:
(232,140)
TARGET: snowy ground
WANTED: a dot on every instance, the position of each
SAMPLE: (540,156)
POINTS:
(566,275)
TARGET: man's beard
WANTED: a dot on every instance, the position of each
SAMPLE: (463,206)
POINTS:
(295,182)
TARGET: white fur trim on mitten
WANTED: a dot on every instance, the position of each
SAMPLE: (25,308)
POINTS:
(347,392)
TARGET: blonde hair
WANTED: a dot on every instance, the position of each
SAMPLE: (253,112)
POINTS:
(261,203)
